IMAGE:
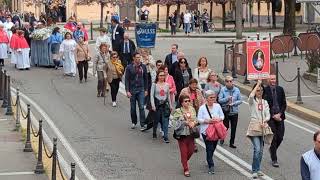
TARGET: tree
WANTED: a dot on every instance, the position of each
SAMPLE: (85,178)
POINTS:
(223,6)
(289,17)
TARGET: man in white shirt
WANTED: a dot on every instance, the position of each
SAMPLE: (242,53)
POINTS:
(103,38)
(187,20)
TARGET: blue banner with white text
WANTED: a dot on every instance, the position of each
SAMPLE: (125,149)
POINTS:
(146,35)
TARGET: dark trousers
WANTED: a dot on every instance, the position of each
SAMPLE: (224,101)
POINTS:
(114,86)
(82,69)
(126,59)
(159,117)
(186,146)
(56,62)
(278,133)
(210,148)
(205,26)
(1,62)
(137,96)
(101,83)
(147,98)
(173,30)
(233,120)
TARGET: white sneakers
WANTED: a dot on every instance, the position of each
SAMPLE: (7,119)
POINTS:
(257,174)
(114,104)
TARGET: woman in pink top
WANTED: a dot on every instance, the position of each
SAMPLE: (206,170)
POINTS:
(170,81)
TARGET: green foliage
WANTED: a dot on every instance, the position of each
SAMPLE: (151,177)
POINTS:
(313,60)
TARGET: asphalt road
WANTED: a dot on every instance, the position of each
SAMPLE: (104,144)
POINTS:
(102,137)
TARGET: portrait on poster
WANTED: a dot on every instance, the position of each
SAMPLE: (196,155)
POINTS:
(258,60)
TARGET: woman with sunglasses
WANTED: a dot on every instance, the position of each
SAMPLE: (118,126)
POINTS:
(182,75)
(114,70)
(184,118)
(161,104)
(201,72)
(260,115)
(204,118)
(212,83)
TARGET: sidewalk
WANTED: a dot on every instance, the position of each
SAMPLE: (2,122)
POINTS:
(15,164)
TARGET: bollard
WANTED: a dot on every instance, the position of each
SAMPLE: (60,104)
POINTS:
(1,83)
(299,99)
(39,167)
(295,53)
(277,72)
(9,106)
(4,102)
(18,108)
(73,171)
(234,75)
(225,70)
(54,160)
(258,36)
(28,146)
(91,30)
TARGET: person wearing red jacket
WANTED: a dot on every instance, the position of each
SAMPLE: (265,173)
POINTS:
(22,51)
(4,41)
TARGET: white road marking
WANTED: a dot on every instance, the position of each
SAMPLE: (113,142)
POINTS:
(15,173)
(3,119)
(227,160)
(60,136)
(293,97)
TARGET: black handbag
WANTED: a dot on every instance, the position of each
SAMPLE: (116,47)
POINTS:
(195,132)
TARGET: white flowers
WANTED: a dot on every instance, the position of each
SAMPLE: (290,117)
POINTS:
(44,33)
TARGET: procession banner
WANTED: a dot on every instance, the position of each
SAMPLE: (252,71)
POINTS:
(258,59)
(146,35)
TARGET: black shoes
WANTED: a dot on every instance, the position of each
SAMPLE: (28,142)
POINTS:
(211,170)
(232,146)
(221,142)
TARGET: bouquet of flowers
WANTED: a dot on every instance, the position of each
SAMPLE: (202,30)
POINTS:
(41,34)
(63,31)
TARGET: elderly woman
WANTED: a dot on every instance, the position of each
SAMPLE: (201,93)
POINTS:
(260,115)
(99,68)
(194,93)
(83,56)
(212,83)
(209,113)
(184,118)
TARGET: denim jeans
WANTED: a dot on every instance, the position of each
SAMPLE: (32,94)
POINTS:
(137,96)
(164,121)
(187,28)
(210,148)
(257,142)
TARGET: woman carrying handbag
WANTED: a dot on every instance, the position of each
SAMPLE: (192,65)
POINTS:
(258,130)
(82,58)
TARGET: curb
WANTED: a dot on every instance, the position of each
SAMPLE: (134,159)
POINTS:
(302,112)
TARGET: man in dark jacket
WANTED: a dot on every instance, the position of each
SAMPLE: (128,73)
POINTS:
(116,35)
(172,58)
(276,98)
(126,48)
(136,84)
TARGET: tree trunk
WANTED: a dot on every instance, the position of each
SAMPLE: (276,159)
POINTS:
(101,14)
(259,8)
(239,19)
(158,9)
(178,14)
(223,16)
(273,14)
(289,17)
(250,13)
(211,10)
(167,18)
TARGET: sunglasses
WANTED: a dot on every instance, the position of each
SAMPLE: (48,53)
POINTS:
(182,62)
(186,101)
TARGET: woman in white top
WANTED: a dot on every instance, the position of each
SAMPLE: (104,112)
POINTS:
(67,50)
(201,73)
(260,115)
(205,119)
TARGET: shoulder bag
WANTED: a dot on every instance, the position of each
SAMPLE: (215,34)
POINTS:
(88,58)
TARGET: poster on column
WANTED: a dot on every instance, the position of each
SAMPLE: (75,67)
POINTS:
(146,35)
(258,59)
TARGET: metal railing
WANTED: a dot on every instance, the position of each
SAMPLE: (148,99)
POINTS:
(14,107)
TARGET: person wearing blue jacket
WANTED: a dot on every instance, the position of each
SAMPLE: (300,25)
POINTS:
(55,41)
(230,99)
